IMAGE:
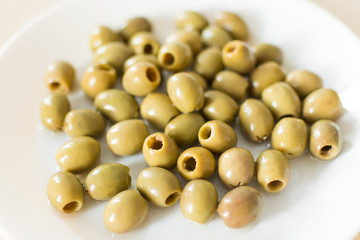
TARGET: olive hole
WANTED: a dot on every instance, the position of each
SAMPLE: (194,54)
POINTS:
(205,133)
(190,164)
(151,74)
(71,207)
(172,198)
(148,49)
(230,48)
(155,143)
(325,149)
(54,85)
(275,185)
(168,59)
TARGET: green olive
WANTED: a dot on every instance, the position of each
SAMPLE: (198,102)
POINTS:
(240,207)
(304,82)
(219,106)
(184,128)
(134,25)
(198,200)
(190,20)
(78,154)
(203,83)
(125,211)
(127,137)
(190,37)
(144,43)
(325,139)
(158,109)
(323,103)
(290,137)
(272,170)
(100,35)
(267,52)
(117,105)
(231,83)
(65,192)
(255,120)
(236,167)
(208,63)
(107,180)
(84,122)
(149,58)
(185,92)
(215,36)
(175,56)
(233,24)
(53,110)
(159,186)
(238,56)
(59,77)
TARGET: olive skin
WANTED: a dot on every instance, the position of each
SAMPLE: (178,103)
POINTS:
(189,20)
(78,154)
(231,83)
(100,35)
(126,137)
(125,211)
(196,162)
(53,110)
(323,103)
(282,100)
(238,56)
(198,200)
(107,180)
(98,78)
(240,207)
(140,58)
(185,92)
(272,170)
(219,106)
(84,122)
(59,77)
(236,167)
(203,83)
(208,62)
(256,120)
(134,25)
(304,82)
(217,136)
(267,52)
(141,78)
(191,37)
(144,43)
(325,139)
(233,24)
(264,75)
(184,128)
(158,109)
(159,186)
(175,56)
(160,150)
(290,137)
(117,105)
(215,36)
(65,192)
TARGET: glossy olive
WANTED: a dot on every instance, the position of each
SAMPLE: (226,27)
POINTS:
(53,110)
(231,83)
(208,63)
(240,207)
(232,23)
(134,25)
(117,105)
(100,35)
(141,58)
(159,186)
(78,154)
(144,43)
(190,20)
(198,200)
(125,211)
(238,56)
(325,139)
(219,106)
(175,56)
(126,137)
(65,192)
(203,83)
(267,52)
(191,37)
(215,36)
(59,77)
(304,82)
(256,120)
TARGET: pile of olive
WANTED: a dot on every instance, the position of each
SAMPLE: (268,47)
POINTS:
(194,120)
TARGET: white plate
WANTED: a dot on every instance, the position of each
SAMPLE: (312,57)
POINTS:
(322,200)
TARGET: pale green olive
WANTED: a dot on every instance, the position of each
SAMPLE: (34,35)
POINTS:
(175,56)
(215,36)
(59,77)
(238,56)
(134,25)
(53,110)
(190,20)
(233,24)
(232,84)
(267,52)
(219,106)
(208,63)
(191,37)
(304,82)
(100,35)
(203,83)
(144,43)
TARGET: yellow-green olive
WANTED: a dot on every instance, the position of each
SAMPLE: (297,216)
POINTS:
(184,128)
(282,100)
(107,180)
(117,105)
(196,162)
(219,106)
(191,37)
(255,120)
(84,122)
(272,170)
(215,36)
(323,103)
(198,200)
(175,56)
(141,79)
(267,52)
(290,137)
(144,43)
(325,139)
(98,78)
(236,167)
(59,77)
(100,35)
(304,82)
(65,192)
(78,154)
(217,136)
(125,211)
(190,20)
(264,75)
(53,110)
(208,63)
(140,58)
(238,56)
(134,25)
(231,83)
(158,109)
(203,83)
(160,150)
(233,24)
(127,137)
(159,186)
(240,207)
